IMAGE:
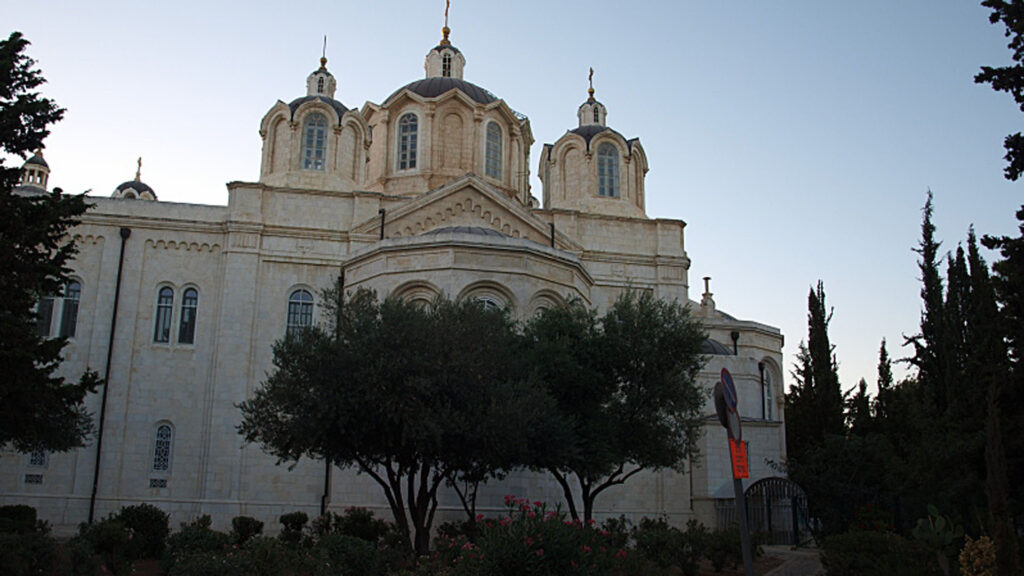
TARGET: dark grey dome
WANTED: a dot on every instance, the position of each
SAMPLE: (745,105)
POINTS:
(37,160)
(715,348)
(440,47)
(338,106)
(136,185)
(434,87)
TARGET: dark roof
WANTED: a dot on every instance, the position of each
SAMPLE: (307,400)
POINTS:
(324,70)
(137,185)
(37,159)
(338,106)
(715,348)
(478,230)
(590,130)
(440,47)
(434,87)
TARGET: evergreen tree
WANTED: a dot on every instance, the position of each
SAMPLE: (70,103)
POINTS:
(1009,78)
(39,410)
(884,382)
(858,410)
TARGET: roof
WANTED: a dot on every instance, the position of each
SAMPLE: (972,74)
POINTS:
(715,348)
(440,47)
(434,87)
(590,130)
(338,106)
(136,185)
(477,230)
(37,159)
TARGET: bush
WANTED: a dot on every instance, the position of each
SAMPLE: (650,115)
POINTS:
(109,540)
(348,555)
(194,539)
(870,553)
(724,547)
(293,523)
(978,558)
(667,546)
(149,528)
(244,528)
(360,523)
(22,554)
(17,518)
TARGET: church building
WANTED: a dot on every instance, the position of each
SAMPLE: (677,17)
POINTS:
(425,193)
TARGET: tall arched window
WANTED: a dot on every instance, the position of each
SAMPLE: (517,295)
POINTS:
(69,311)
(300,311)
(163,445)
(320,85)
(492,163)
(597,115)
(608,170)
(314,142)
(446,65)
(767,394)
(408,128)
(189,315)
(44,316)
(164,309)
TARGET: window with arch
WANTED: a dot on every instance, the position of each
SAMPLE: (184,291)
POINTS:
(608,170)
(597,115)
(300,311)
(492,158)
(408,129)
(38,459)
(69,311)
(488,303)
(163,446)
(188,317)
(314,141)
(320,85)
(767,383)
(164,310)
(446,65)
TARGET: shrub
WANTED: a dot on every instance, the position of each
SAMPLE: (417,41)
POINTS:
(348,555)
(724,547)
(22,554)
(109,540)
(293,523)
(149,529)
(17,518)
(870,553)
(667,546)
(194,539)
(244,528)
(360,523)
(978,558)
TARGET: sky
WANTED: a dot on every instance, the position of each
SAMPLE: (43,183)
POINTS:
(797,138)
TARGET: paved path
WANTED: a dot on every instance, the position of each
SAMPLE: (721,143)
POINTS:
(801,562)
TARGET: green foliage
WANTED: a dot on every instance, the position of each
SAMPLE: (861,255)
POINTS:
(351,556)
(26,548)
(244,528)
(38,408)
(940,535)
(355,522)
(294,523)
(876,554)
(624,383)
(108,540)
(194,539)
(1009,79)
(149,529)
(978,557)
(669,547)
(17,518)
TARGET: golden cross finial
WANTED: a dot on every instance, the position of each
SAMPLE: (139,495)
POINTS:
(323,56)
(446,30)
(590,78)
(138,171)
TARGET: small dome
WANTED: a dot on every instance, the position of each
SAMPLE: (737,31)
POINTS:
(441,47)
(37,159)
(338,106)
(715,348)
(135,185)
(438,85)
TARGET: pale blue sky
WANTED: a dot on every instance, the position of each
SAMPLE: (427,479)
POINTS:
(796,138)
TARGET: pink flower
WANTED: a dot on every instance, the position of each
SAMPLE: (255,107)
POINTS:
(538,503)
(509,499)
(479,517)
(620,554)
(539,552)
(586,549)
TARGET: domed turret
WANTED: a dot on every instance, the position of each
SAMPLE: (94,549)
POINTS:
(134,189)
(35,172)
(612,168)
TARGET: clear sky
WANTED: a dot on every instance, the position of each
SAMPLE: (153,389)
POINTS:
(796,138)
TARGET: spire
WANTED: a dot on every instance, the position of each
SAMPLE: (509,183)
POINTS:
(323,56)
(445,31)
(321,82)
(138,170)
(591,112)
(590,91)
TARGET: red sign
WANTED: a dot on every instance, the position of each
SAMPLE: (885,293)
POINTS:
(738,451)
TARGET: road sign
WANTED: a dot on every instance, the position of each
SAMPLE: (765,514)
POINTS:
(738,452)
(729,419)
(729,389)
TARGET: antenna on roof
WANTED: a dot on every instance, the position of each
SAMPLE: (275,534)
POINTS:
(446,30)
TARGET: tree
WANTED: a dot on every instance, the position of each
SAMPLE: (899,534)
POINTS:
(626,385)
(401,392)
(39,410)
(1009,78)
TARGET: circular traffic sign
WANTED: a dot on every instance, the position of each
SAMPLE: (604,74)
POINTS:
(729,390)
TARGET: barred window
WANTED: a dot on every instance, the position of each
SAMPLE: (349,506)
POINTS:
(408,130)
(44,316)
(314,142)
(767,394)
(320,85)
(162,447)
(164,309)
(38,459)
(608,170)
(69,312)
(492,164)
(446,65)
(300,311)
(189,314)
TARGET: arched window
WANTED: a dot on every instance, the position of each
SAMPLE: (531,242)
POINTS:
(320,85)
(163,445)
(38,458)
(189,314)
(300,311)
(446,65)
(597,115)
(492,161)
(767,393)
(408,127)
(69,312)
(608,170)
(314,142)
(44,316)
(164,309)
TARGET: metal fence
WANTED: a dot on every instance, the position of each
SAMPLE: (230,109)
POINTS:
(776,511)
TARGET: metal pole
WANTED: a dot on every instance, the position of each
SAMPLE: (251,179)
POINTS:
(741,512)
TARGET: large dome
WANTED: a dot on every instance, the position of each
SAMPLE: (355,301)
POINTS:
(435,86)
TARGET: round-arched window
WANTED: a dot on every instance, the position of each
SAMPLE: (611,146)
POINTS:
(314,142)
(608,170)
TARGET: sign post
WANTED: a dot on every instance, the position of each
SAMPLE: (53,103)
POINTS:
(726,404)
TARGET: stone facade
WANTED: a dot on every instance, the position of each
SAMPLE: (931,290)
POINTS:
(425,193)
